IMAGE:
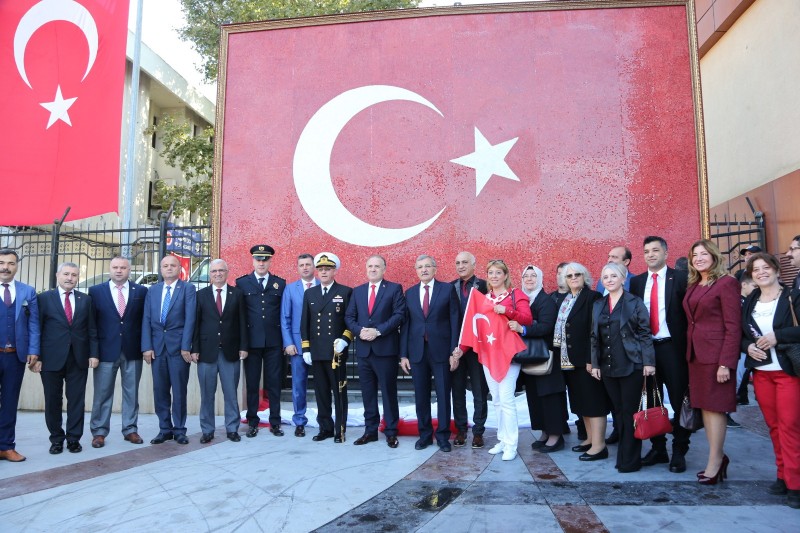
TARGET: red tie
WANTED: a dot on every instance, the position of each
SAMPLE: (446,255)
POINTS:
(308,285)
(68,308)
(219,301)
(120,301)
(426,302)
(654,322)
(371,304)
(464,288)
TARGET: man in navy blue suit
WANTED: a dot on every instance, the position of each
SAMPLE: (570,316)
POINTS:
(19,344)
(376,311)
(167,330)
(118,307)
(427,341)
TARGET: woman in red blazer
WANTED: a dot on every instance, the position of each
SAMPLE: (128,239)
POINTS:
(713,310)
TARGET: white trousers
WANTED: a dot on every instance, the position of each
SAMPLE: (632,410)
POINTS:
(505,406)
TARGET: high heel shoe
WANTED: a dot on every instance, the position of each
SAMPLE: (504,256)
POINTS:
(719,477)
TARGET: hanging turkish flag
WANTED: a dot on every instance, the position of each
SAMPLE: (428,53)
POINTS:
(62,74)
(488,335)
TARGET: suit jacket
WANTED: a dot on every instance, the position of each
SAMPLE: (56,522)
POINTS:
(175,335)
(674,292)
(578,328)
(782,325)
(292,312)
(115,334)
(387,316)
(474,282)
(544,312)
(715,323)
(213,332)
(58,336)
(441,325)
(26,321)
(322,321)
(634,328)
(263,309)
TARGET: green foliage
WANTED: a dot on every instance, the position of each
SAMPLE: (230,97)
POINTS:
(204,17)
(194,156)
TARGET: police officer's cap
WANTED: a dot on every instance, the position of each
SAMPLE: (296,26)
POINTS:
(262,251)
(326,259)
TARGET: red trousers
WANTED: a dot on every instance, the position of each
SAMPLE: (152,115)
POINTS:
(778,395)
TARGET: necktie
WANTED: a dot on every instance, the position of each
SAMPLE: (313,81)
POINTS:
(371,299)
(165,307)
(68,308)
(261,282)
(120,301)
(426,301)
(464,288)
(324,291)
(654,322)
(308,284)
(6,295)
(219,301)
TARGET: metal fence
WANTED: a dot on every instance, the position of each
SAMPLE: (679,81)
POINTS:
(733,234)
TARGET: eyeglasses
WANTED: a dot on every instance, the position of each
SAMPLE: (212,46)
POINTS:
(793,248)
(573,275)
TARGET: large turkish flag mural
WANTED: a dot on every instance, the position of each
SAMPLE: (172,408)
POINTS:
(536,134)
(62,74)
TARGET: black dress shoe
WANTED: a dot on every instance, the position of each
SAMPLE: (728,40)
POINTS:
(654,457)
(778,488)
(537,444)
(161,437)
(55,449)
(392,442)
(252,431)
(422,444)
(322,435)
(300,431)
(365,438)
(181,439)
(559,445)
(74,446)
(602,454)
(629,469)
(582,448)
(337,439)
(234,436)
(461,439)
(613,438)
(276,430)
(445,446)
(678,463)
(206,438)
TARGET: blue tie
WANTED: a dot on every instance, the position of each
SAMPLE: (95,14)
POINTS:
(165,308)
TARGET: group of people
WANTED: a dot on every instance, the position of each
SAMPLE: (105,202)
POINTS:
(685,329)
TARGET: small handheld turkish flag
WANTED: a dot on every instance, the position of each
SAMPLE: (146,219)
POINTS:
(62,74)
(488,335)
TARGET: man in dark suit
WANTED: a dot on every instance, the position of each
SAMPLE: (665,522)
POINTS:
(219,343)
(69,349)
(263,292)
(428,338)
(19,344)
(468,367)
(662,289)
(118,308)
(325,337)
(167,329)
(794,255)
(375,314)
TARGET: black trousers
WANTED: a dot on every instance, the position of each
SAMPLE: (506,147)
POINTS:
(72,378)
(470,369)
(326,387)
(546,412)
(672,371)
(375,373)
(625,393)
(271,359)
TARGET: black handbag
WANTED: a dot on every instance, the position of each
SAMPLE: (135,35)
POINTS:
(691,417)
(791,350)
(535,352)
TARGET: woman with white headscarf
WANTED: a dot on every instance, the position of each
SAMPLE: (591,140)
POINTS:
(546,395)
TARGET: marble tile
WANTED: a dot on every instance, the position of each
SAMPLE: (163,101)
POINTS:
(502,493)
(493,518)
(779,519)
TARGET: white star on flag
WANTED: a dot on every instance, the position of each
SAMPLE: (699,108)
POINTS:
(490,338)
(488,160)
(58,108)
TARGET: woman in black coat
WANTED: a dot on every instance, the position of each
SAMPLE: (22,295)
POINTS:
(546,395)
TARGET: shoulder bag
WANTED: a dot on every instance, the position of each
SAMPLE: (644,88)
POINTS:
(653,421)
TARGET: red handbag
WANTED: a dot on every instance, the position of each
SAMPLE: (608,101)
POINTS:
(653,421)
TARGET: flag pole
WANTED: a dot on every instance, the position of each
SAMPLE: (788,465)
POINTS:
(127,199)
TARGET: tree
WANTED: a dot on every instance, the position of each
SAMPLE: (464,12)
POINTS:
(194,155)
(204,17)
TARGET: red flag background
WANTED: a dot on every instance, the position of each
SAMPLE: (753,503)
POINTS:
(488,335)
(45,169)
(330,132)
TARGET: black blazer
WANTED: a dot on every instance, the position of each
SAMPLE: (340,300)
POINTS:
(263,309)
(441,326)
(674,291)
(387,316)
(578,328)
(212,331)
(58,336)
(115,334)
(545,311)
(782,325)
(323,321)
(634,328)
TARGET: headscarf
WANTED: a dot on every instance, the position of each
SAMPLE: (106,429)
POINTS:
(540,280)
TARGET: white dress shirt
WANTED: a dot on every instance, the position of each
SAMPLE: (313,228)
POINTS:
(663,329)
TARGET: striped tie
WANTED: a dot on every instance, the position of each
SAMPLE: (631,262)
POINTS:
(165,307)
(120,301)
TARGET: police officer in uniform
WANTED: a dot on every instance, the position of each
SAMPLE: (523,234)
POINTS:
(323,333)
(263,292)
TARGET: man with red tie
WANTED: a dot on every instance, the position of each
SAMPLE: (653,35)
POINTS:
(69,349)
(662,289)
(376,311)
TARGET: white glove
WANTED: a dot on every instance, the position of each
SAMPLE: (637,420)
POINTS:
(307,358)
(339,345)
